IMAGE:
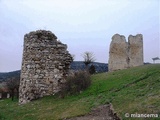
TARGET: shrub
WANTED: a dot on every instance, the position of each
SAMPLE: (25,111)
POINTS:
(92,69)
(76,83)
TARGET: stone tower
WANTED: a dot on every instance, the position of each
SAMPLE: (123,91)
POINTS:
(45,65)
(124,54)
(118,53)
(135,50)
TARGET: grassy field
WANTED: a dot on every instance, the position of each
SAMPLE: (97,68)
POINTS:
(135,90)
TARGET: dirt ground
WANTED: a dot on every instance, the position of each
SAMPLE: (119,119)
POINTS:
(103,112)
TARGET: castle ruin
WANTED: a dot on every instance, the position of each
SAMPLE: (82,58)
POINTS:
(45,65)
(124,54)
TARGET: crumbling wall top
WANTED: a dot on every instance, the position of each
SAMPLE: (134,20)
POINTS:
(41,34)
(118,38)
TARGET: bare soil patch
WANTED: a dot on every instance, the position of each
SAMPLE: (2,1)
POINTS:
(103,112)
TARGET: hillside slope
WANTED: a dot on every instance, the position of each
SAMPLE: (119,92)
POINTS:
(134,90)
(4,76)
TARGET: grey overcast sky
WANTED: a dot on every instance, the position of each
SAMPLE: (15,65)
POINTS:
(84,25)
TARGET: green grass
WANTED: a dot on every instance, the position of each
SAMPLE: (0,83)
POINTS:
(134,90)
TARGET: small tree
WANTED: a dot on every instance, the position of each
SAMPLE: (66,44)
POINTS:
(88,58)
(92,69)
(17,83)
(13,84)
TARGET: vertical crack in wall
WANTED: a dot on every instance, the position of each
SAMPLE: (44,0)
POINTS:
(128,58)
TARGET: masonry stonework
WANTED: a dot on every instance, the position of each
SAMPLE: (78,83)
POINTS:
(123,55)
(135,50)
(118,53)
(45,65)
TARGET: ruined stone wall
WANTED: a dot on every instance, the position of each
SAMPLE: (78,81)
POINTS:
(124,54)
(45,65)
(118,53)
(135,50)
